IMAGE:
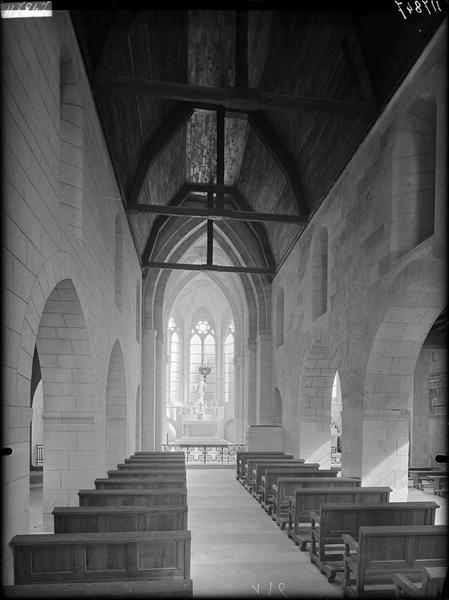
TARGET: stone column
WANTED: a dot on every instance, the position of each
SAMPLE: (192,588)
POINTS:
(251,384)
(264,380)
(148,388)
(160,392)
(239,403)
(314,436)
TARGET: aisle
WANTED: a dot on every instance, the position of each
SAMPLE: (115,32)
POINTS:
(237,550)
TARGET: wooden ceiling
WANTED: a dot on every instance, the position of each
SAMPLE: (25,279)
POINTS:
(209,113)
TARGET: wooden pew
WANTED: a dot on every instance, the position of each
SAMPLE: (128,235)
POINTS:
(89,557)
(151,466)
(133,497)
(431,585)
(287,486)
(132,590)
(370,563)
(252,476)
(84,519)
(143,472)
(178,453)
(417,474)
(327,548)
(139,482)
(305,504)
(271,476)
(175,460)
(437,483)
(242,458)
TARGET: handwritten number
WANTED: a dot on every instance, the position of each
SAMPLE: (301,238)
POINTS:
(425,5)
(409,8)
(256,588)
(399,4)
(418,7)
(282,588)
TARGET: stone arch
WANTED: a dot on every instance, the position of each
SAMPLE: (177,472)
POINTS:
(280,317)
(71,146)
(313,410)
(116,409)
(414,301)
(118,262)
(319,258)
(413,176)
(63,346)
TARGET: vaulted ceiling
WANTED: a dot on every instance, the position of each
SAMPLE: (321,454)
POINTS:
(238,123)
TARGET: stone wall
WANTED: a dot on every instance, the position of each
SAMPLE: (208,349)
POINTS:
(385,286)
(60,205)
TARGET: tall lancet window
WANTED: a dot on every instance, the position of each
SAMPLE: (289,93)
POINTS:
(228,370)
(202,353)
(174,364)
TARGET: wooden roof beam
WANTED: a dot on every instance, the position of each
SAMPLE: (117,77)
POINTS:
(215,215)
(232,98)
(241,49)
(280,156)
(206,267)
(158,142)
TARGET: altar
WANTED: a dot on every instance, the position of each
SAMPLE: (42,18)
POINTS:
(200,422)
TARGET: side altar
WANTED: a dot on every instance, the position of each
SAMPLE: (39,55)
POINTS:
(200,422)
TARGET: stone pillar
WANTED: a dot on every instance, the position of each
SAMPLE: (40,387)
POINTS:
(148,388)
(264,387)
(160,392)
(440,231)
(385,444)
(251,384)
(314,436)
(239,401)
(69,460)
(164,403)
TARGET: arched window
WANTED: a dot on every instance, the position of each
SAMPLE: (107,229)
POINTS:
(70,147)
(174,365)
(413,177)
(280,317)
(319,273)
(228,353)
(202,353)
(118,263)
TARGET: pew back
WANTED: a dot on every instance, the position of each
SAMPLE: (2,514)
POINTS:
(133,497)
(139,482)
(382,551)
(272,475)
(243,457)
(287,486)
(101,556)
(142,472)
(151,465)
(347,518)
(256,467)
(76,519)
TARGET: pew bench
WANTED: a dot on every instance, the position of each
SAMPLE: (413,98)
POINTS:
(305,505)
(85,519)
(134,590)
(287,486)
(161,475)
(327,548)
(139,483)
(436,483)
(255,468)
(243,470)
(271,476)
(133,497)
(416,474)
(371,562)
(89,557)
(241,457)
(155,467)
(431,585)
(158,453)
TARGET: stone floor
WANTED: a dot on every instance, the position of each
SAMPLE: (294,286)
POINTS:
(237,550)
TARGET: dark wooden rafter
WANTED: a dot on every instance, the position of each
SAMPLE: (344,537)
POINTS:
(231,98)
(206,267)
(356,63)
(241,49)
(181,196)
(210,231)
(121,25)
(280,156)
(154,147)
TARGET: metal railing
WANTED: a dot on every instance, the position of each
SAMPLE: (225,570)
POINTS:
(207,453)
